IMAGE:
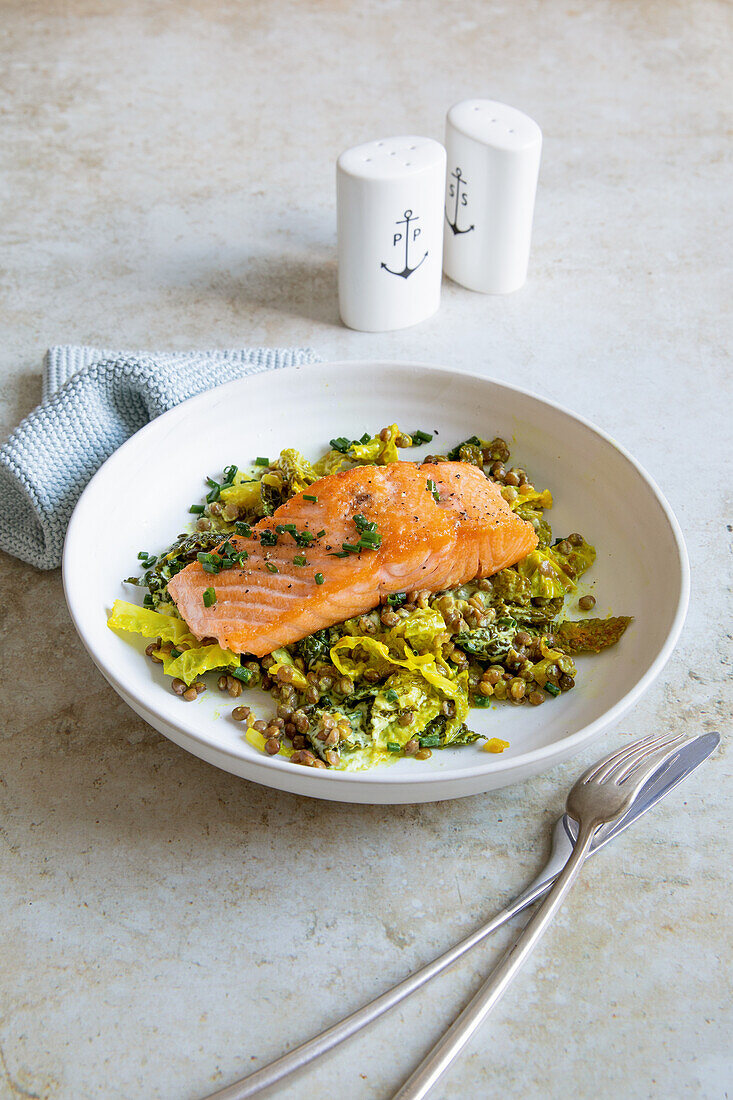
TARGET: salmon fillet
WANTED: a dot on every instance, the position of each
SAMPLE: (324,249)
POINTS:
(469,531)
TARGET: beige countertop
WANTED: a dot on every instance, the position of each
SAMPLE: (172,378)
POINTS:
(170,184)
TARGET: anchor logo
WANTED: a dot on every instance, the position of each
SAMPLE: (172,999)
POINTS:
(458,190)
(406,270)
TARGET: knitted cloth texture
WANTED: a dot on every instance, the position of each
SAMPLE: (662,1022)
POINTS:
(93,400)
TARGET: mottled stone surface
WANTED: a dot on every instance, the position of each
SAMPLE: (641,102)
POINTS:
(169,183)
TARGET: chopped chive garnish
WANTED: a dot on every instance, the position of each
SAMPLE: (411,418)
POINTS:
(306,496)
(481,701)
(340,444)
(210,563)
(397,599)
(391,696)
(320,534)
(305,538)
(213,495)
(286,528)
(340,554)
(365,438)
(271,568)
(226,549)
(209,597)
(430,741)
(243,529)
(553,689)
(196,509)
(421,437)
(392,746)
(243,674)
(299,559)
(319,578)
(432,488)
(148,600)
(268,537)
(176,652)
(230,473)
(261,461)
(142,554)
(350,547)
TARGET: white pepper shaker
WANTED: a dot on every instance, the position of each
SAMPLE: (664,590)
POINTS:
(389,197)
(493,163)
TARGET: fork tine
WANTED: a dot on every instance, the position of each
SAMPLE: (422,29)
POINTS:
(602,768)
(653,759)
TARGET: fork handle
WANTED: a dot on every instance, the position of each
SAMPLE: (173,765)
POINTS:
(454,1040)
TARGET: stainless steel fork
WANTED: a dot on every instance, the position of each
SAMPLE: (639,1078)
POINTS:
(601,796)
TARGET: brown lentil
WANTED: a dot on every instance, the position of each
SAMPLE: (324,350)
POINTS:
(200,686)
(272,746)
(406,719)
(301,721)
(333,758)
(535,698)
(485,688)
(566,683)
(312,694)
(411,747)
(299,742)
(517,688)
(260,726)
(423,754)
(512,478)
(586,603)
(388,617)
(575,539)
(303,756)
(190,694)
(234,687)
(239,714)
(178,687)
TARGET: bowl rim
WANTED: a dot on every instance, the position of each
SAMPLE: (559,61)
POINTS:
(534,758)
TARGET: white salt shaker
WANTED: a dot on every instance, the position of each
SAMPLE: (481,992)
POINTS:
(389,196)
(493,163)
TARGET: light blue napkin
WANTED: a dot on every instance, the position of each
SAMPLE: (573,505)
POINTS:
(93,401)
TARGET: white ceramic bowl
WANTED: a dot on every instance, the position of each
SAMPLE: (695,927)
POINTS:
(139,501)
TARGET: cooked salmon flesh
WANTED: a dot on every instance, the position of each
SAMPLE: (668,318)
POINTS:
(440,525)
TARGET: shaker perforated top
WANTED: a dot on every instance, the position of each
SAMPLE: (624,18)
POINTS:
(495,124)
(392,158)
